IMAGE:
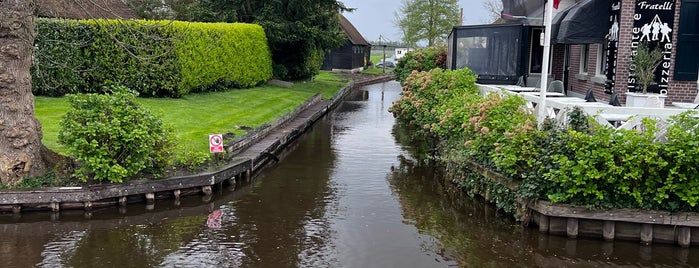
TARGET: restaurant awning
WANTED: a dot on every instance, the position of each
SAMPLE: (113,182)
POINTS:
(586,22)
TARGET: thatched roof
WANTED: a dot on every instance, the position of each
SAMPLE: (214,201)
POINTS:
(84,9)
(352,34)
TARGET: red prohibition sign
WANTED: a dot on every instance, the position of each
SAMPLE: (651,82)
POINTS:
(215,140)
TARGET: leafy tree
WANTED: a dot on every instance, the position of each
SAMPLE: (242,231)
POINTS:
(298,31)
(429,20)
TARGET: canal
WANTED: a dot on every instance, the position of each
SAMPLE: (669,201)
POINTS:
(349,193)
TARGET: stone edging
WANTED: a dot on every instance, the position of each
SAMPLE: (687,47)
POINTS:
(252,152)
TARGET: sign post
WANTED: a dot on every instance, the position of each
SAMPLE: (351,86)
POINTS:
(216,143)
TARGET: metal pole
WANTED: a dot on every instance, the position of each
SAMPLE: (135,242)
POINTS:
(545,63)
(384,59)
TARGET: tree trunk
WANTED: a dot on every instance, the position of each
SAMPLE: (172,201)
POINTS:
(20,131)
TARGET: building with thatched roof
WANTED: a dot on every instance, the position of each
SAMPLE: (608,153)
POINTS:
(84,9)
(353,56)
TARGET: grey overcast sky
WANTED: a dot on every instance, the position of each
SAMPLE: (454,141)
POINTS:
(374,18)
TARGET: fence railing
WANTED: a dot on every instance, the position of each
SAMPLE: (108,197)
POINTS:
(617,117)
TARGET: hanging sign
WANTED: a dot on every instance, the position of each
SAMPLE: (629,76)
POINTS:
(612,46)
(216,143)
(653,24)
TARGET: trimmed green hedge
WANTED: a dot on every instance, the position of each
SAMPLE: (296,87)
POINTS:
(155,58)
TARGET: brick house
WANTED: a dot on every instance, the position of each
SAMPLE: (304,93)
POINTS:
(593,42)
(604,67)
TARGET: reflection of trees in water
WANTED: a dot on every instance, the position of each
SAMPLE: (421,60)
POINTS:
(283,221)
(145,245)
(475,234)
(469,231)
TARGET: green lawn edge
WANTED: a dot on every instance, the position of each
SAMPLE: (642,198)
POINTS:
(194,117)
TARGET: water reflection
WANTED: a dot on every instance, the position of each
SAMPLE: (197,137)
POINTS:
(350,193)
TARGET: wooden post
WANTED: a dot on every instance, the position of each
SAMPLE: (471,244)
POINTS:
(544,223)
(55,206)
(646,234)
(206,189)
(247,175)
(608,230)
(572,227)
(684,236)
(122,201)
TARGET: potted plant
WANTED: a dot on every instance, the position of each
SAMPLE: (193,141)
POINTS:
(645,63)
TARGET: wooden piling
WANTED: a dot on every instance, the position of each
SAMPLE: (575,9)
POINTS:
(647,234)
(543,223)
(55,206)
(684,236)
(87,205)
(572,228)
(608,230)
(207,190)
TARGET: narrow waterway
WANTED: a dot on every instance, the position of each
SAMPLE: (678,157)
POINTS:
(349,194)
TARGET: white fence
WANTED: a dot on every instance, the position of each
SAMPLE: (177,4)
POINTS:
(613,116)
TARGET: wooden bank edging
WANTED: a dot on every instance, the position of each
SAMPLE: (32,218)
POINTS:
(645,226)
(251,152)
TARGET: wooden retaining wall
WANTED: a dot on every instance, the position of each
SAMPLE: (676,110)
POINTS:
(251,152)
(644,226)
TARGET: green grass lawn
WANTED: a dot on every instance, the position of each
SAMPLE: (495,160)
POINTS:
(195,116)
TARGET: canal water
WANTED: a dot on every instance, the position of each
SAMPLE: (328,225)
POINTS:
(349,193)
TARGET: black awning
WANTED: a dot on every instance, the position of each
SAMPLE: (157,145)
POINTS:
(586,22)
(556,22)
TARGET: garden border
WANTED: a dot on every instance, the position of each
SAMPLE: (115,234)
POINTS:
(252,152)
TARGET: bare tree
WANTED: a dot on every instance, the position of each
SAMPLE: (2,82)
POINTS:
(493,7)
(20,131)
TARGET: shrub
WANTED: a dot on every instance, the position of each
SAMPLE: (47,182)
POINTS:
(579,162)
(424,59)
(59,62)
(214,56)
(112,136)
(158,58)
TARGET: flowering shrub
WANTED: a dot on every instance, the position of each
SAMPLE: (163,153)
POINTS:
(580,163)
(423,59)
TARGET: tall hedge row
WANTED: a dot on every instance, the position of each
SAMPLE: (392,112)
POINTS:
(155,58)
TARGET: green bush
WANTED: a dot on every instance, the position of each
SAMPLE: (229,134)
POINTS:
(59,63)
(135,54)
(113,137)
(580,162)
(158,58)
(213,56)
(423,59)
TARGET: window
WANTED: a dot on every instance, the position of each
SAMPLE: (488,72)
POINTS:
(584,58)
(601,59)
(537,53)
(687,55)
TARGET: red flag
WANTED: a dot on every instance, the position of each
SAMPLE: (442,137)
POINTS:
(555,3)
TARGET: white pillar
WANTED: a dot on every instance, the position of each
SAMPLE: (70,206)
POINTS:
(545,63)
